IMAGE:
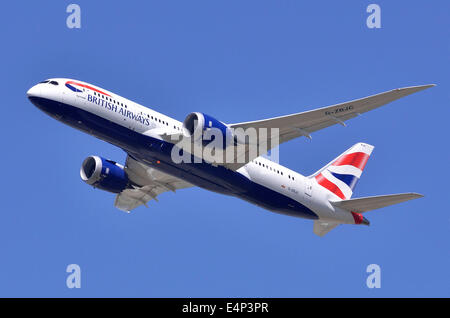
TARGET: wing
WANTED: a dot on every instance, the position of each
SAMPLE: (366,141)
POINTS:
(375,202)
(149,183)
(303,124)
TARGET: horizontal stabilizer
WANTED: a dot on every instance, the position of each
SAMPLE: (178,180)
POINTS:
(321,228)
(360,205)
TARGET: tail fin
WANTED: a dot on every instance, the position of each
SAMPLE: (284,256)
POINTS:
(341,175)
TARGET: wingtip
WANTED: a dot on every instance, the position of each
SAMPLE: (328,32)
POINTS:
(418,87)
(427,86)
(417,195)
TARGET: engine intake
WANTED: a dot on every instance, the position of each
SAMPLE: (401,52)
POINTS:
(104,174)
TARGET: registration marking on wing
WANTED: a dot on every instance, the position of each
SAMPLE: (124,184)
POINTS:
(339,110)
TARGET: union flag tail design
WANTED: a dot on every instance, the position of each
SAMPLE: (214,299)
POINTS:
(341,175)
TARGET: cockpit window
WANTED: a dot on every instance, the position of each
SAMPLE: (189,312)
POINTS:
(54,82)
(43,82)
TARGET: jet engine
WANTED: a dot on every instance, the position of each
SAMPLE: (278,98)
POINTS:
(104,174)
(199,125)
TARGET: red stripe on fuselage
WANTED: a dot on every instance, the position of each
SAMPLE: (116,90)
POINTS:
(88,87)
(356,159)
(327,184)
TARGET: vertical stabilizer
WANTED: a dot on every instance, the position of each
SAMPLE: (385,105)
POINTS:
(341,175)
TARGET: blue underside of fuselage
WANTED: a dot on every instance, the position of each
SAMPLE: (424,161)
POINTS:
(149,150)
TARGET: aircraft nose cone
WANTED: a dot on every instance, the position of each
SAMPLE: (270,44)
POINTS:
(34,91)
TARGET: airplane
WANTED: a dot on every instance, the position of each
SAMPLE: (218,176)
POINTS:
(150,169)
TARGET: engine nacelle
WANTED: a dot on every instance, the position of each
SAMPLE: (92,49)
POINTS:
(196,125)
(104,174)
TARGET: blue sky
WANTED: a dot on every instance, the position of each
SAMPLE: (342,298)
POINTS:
(239,61)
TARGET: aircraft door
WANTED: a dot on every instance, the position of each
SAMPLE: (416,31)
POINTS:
(308,188)
(81,94)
